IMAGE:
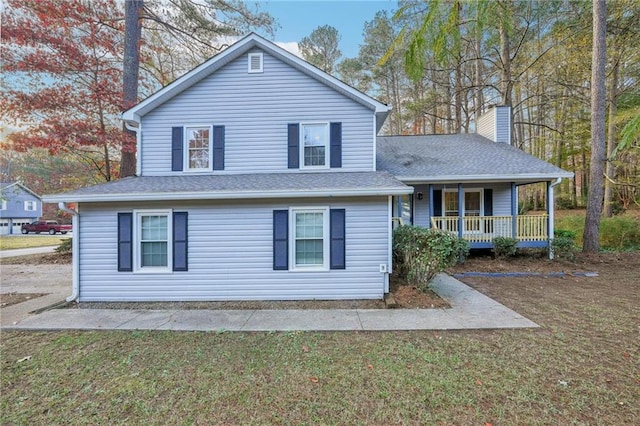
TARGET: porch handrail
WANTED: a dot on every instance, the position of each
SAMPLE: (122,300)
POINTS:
(486,228)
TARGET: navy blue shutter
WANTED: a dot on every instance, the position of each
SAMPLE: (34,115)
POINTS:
(177,156)
(437,202)
(280,240)
(337,237)
(180,241)
(218,147)
(293,134)
(336,144)
(125,242)
(488,202)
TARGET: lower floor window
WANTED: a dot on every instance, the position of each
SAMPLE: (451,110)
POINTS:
(153,240)
(309,229)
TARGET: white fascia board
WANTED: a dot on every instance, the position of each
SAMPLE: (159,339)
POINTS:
(225,195)
(483,178)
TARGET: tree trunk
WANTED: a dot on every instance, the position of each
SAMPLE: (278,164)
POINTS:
(598,103)
(506,85)
(611,134)
(131,67)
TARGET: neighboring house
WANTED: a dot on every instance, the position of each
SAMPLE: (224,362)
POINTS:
(257,179)
(19,205)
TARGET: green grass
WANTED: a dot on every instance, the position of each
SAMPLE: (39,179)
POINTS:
(581,367)
(28,241)
(616,233)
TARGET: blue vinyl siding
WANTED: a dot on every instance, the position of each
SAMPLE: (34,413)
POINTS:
(256,110)
(231,254)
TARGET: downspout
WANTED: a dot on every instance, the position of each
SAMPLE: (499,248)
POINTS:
(75,250)
(551,214)
(136,130)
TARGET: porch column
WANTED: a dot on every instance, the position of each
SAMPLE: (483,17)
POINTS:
(514,211)
(550,218)
(430,204)
(460,206)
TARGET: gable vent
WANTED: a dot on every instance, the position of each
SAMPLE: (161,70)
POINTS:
(255,62)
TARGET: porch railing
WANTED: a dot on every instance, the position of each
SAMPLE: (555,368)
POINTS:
(483,229)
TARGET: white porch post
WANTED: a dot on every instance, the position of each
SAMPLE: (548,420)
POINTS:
(460,208)
(514,211)
(430,204)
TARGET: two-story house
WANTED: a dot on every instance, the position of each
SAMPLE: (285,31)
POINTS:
(19,205)
(261,177)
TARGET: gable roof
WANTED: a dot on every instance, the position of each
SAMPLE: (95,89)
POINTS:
(238,186)
(459,158)
(233,52)
(6,185)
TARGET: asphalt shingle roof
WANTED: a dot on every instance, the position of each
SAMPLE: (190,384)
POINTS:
(439,157)
(237,186)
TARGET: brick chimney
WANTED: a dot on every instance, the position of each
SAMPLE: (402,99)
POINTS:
(495,124)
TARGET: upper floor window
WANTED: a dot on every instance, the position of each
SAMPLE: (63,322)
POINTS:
(4,205)
(198,148)
(315,145)
(30,206)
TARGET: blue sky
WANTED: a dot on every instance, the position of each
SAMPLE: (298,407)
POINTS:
(298,18)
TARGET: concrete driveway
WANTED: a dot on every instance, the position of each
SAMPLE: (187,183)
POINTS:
(55,280)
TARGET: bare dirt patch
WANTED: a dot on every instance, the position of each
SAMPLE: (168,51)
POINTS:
(38,259)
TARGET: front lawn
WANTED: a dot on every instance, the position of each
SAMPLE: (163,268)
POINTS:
(581,367)
(10,242)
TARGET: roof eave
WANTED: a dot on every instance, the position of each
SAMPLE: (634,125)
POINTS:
(485,178)
(223,195)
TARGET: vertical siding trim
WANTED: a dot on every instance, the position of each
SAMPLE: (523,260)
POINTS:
(177,155)
(514,211)
(335,137)
(180,241)
(125,242)
(337,238)
(280,240)
(218,147)
(293,144)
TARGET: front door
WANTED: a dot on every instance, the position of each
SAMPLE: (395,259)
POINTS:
(471,209)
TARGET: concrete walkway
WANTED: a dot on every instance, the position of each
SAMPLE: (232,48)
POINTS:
(470,310)
(27,251)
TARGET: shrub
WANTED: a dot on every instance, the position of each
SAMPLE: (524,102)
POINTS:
(421,253)
(505,247)
(620,233)
(65,246)
(616,233)
(564,244)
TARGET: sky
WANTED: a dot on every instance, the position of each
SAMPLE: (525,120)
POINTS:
(298,18)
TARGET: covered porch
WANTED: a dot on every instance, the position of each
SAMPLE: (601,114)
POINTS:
(477,212)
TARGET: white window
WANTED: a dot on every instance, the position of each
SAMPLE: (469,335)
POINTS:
(4,205)
(198,141)
(153,244)
(315,145)
(255,63)
(30,206)
(472,203)
(310,242)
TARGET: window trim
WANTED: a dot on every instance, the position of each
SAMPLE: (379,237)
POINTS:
(462,209)
(326,240)
(185,138)
(252,55)
(35,205)
(327,145)
(137,242)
